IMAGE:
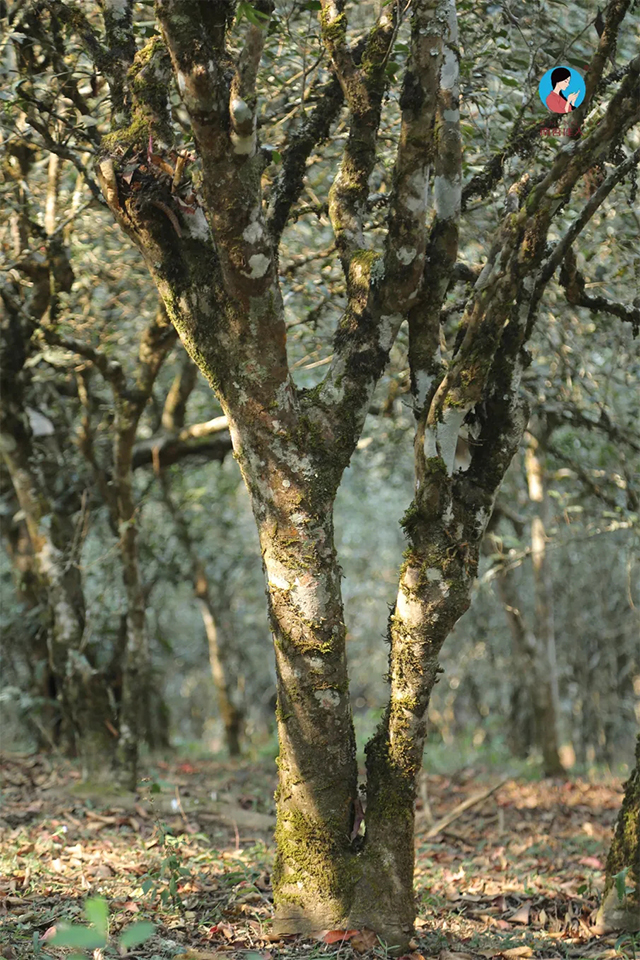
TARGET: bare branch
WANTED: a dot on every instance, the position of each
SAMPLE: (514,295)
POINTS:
(595,201)
(314,129)
(574,285)
(111,370)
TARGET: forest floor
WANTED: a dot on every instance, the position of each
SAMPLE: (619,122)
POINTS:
(516,875)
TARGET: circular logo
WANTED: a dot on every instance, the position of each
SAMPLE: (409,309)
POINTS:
(561,89)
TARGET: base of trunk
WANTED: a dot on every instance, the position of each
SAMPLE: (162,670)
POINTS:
(308,920)
(614,915)
(312,920)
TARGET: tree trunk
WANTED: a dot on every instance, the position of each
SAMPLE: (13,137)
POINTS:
(232,717)
(623,863)
(533,667)
(134,713)
(218,641)
(546,696)
(81,689)
(316,869)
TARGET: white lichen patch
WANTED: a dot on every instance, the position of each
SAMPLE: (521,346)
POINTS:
(424,382)
(279,582)
(243,146)
(406,255)
(197,225)
(286,484)
(310,597)
(415,198)
(252,233)
(434,574)
(444,589)
(451,116)
(327,698)
(447,193)
(449,70)
(389,326)
(408,609)
(481,519)
(448,432)
(258,266)
(240,110)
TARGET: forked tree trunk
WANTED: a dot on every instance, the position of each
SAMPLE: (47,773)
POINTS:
(216,268)
(620,908)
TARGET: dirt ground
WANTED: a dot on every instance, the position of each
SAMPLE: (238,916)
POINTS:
(518,874)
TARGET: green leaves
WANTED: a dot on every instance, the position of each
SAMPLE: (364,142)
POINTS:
(96,935)
(246,11)
(97,913)
(136,933)
(620,881)
(78,936)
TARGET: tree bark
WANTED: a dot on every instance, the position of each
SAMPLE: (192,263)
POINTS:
(546,696)
(623,912)
(81,688)
(135,713)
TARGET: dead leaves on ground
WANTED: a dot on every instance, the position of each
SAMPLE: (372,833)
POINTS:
(524,865)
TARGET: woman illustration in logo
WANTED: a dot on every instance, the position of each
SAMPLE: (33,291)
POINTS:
(556,101)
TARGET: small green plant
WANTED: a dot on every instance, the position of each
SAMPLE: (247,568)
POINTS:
(164,881)
(622,889)
(628,946)
(95,936)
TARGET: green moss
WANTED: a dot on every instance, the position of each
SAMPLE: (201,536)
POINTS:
(148,78)
(309,852)
(334,31)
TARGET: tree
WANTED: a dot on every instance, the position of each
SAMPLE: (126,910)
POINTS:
(620,907)
(184,179)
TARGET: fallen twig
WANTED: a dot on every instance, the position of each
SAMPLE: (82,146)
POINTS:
(460,809)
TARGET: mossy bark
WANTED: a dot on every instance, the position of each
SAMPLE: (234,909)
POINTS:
(316,870)
(623,913)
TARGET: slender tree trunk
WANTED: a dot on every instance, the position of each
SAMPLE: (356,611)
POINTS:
(533,667)
(547,699)
(623,863)
(134,713)
(231,714)
(33,600)
(217,640)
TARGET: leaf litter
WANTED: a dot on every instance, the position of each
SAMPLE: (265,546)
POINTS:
(515,874)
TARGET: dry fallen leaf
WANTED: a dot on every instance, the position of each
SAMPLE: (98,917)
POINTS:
(337,936)
(515,952)
(522,914)
(363,941)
